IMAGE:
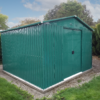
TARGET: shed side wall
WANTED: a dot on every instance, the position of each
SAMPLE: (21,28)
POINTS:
(23,54)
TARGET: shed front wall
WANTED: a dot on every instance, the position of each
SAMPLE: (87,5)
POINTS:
(58,64)
(86,39)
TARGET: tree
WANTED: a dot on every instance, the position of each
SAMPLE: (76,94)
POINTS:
(72,7)
(98,21)
(3,21)
(26,22)
(3,26)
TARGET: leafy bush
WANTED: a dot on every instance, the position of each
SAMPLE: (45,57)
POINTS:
(96,40)
(0,50)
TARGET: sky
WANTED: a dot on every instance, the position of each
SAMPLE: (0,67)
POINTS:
(17,10)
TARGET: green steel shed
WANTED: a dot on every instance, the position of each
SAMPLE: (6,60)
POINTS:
(45,53)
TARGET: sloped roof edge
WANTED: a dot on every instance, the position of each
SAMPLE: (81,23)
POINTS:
(68,18)
(51,21)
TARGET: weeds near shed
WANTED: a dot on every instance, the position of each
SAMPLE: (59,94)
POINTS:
(79,80)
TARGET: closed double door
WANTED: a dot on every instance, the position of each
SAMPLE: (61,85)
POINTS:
(71,52)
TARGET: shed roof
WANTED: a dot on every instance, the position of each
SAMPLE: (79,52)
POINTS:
(52,21)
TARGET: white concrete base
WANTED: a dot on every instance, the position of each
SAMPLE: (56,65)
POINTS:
(49,88)
(66,79)
(72,76)
(24,81)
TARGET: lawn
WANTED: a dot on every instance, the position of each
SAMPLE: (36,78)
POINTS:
(10,91)
(88,91)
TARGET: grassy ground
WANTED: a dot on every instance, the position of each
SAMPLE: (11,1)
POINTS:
(10,91)
(88,91)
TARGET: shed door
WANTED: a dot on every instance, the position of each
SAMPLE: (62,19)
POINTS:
(71,58)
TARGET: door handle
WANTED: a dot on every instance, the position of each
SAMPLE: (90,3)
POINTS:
(72,52)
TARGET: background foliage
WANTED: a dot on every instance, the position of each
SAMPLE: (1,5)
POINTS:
(3,21)
(26,22)
(72,7)
(96,40)
(3,26)
(0,51)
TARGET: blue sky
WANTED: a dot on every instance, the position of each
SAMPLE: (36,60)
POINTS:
(18,10)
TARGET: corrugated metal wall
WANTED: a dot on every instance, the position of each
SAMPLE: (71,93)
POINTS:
(86,49)
(22,51)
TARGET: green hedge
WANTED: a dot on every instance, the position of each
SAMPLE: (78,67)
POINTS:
(96,40)
(0,50)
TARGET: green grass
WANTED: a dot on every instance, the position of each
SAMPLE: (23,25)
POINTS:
(10,91)
(88,91)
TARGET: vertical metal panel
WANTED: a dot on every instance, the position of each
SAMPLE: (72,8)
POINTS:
(58,54)
(86,49)
(52,54)
(77,51)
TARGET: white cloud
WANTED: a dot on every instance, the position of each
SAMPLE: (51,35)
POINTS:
(11,24)
(94,9)
(42,5)
(41,17)
(22,18)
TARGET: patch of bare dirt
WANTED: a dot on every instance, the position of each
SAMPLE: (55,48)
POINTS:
(96,63)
